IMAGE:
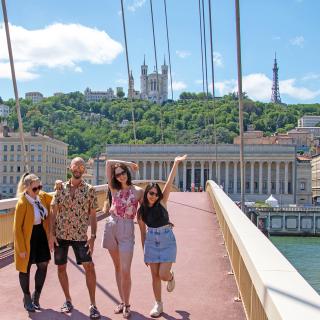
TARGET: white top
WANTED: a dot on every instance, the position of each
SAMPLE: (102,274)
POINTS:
(36,209)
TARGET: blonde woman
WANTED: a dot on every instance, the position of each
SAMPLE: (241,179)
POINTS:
(31,230)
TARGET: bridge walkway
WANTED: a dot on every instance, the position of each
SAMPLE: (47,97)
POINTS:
(204,290)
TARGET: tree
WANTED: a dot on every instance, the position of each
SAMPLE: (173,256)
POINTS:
(120,94)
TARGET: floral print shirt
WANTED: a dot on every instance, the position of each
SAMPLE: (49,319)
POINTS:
(72,219)
(124,204)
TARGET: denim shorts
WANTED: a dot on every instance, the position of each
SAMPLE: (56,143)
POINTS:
(160,245)
(118,234)
(79,248)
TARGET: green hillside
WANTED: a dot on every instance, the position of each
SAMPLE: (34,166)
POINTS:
(87,127)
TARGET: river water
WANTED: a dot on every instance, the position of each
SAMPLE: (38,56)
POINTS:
(304,255)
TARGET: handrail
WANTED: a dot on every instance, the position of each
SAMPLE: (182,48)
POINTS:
(269,286)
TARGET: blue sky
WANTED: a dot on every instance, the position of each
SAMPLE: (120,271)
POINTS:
(63,46)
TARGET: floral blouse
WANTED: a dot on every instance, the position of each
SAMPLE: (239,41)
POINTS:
(124,204)
(73,214)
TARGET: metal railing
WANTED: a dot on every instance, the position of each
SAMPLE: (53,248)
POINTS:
(269,286)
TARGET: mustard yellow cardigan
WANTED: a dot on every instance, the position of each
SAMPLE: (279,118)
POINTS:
(23,225)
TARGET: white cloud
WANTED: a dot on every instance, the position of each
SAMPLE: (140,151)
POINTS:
(297,41)
(183,53)
(217,59)
(122,81)
(136,4)
(258,87)
(56,46)
(288,87)
(178,85)
(311,76)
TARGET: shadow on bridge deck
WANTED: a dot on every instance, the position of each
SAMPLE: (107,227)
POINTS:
(204,290)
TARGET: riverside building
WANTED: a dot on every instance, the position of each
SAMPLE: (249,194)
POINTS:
(269,169)
(47,159)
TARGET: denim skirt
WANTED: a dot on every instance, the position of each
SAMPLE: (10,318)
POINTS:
(160,245)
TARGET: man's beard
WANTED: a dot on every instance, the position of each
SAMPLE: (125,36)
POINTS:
(76,175)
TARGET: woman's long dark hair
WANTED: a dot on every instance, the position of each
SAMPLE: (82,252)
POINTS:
(145,204)
(114,182)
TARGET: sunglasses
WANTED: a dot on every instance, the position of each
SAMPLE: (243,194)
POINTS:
(35,189)
(153,194)
(122,173)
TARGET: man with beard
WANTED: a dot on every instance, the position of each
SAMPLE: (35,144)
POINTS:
(73,208)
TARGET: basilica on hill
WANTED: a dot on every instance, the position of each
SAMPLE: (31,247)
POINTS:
(153,86)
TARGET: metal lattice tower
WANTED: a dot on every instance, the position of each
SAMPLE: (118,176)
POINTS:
(275,96)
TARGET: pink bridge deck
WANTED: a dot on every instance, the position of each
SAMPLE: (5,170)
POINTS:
(204,290)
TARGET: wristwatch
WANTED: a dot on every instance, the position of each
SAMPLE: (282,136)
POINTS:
(93,236)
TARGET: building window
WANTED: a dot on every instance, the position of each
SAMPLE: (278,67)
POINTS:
(4,179)
(11,179)
(39,169)
(32,168)
(39,147)
(12,147)
(11,168)
(26,147)
(302,186)
(31,147)
(32,158)
(4,168)
(5,147)
(19,147)
(11,157)
(17,179)
(18,169)
(39,157)
(18,157)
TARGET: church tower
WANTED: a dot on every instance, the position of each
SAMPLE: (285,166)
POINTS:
(144,80)
(131,86)
(164,82)
(275,96)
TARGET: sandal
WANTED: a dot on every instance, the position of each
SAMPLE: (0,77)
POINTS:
(66,307)
(126,311)
(94,313)
(119,308)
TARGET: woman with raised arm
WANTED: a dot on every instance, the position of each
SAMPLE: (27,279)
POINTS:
(157,238)
(30,228)
(118,235)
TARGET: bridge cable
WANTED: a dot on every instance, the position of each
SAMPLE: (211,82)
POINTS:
(206,116)
(169,55)
(200,19)
(240,96)
(156,62)
(213,92)
(128,71)
(15,87)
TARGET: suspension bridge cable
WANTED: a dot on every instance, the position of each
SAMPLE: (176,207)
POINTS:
(239,69)
(169,55)
(200,19)
(15,87)
(156,62)
(213,91)
(168,45)
(128,71)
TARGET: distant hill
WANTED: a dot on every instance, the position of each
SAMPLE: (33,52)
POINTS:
(87,127)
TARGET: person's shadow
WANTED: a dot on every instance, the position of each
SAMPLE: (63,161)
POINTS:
(184,316)
(50,314)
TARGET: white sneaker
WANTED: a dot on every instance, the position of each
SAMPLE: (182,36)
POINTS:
(156,310)
(171,283)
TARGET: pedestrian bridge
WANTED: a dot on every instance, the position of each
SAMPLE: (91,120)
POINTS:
(226,269)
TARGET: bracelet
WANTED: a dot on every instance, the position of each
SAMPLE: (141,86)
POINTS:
(93,236)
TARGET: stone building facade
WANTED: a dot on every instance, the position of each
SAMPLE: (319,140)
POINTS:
(269,169)
(47,159)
